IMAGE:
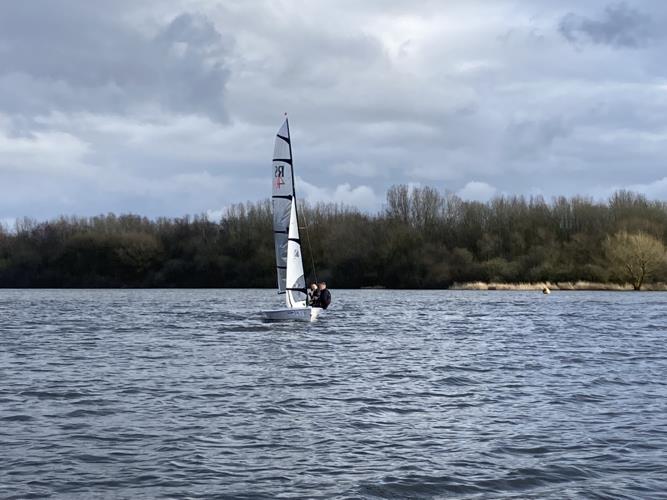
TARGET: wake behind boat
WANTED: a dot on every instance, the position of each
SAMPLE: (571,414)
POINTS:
(289,262)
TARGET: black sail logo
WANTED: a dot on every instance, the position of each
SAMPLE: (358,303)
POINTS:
(279,175)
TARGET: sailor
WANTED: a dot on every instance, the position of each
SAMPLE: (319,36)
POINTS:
(313,295)
(324,298)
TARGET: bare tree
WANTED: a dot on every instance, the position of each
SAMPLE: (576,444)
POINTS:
(425,205)
(635,255)
(398,203)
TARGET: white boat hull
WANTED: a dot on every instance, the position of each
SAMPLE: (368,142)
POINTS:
(293,314)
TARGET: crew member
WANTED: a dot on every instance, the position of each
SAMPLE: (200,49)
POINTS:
(324,298)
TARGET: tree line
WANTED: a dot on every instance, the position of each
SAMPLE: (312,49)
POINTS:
(421,239)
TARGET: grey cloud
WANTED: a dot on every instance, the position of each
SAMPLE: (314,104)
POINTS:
(137,100)
(619,26)
(77,56)
(528,138)
(320,64)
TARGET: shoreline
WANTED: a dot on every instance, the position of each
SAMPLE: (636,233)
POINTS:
(559,286)
(538,286)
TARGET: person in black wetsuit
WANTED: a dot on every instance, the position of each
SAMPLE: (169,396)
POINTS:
(313,295)
(325,296)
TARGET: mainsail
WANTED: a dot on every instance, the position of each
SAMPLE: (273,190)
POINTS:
(289,264)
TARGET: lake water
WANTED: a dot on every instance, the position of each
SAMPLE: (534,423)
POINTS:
(392,394)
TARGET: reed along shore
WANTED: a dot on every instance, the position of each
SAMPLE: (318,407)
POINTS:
(540,286)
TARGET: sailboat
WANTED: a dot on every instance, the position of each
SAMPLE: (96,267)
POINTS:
(289,262)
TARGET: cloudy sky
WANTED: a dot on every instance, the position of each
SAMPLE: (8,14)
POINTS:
(170,107)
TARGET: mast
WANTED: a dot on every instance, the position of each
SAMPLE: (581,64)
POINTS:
(291,155)
(294,209)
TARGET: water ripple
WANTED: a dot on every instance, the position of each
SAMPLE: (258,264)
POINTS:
(188,394)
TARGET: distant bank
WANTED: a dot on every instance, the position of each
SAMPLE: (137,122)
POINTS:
(577,285)
(423,239)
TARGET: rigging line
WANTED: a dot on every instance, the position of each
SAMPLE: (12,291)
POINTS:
(291,155)
(310,248)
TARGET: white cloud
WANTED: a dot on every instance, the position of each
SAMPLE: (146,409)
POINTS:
(654,190)
(362,197)
(43,152)
(7,224)
(215,214)
(477,191)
